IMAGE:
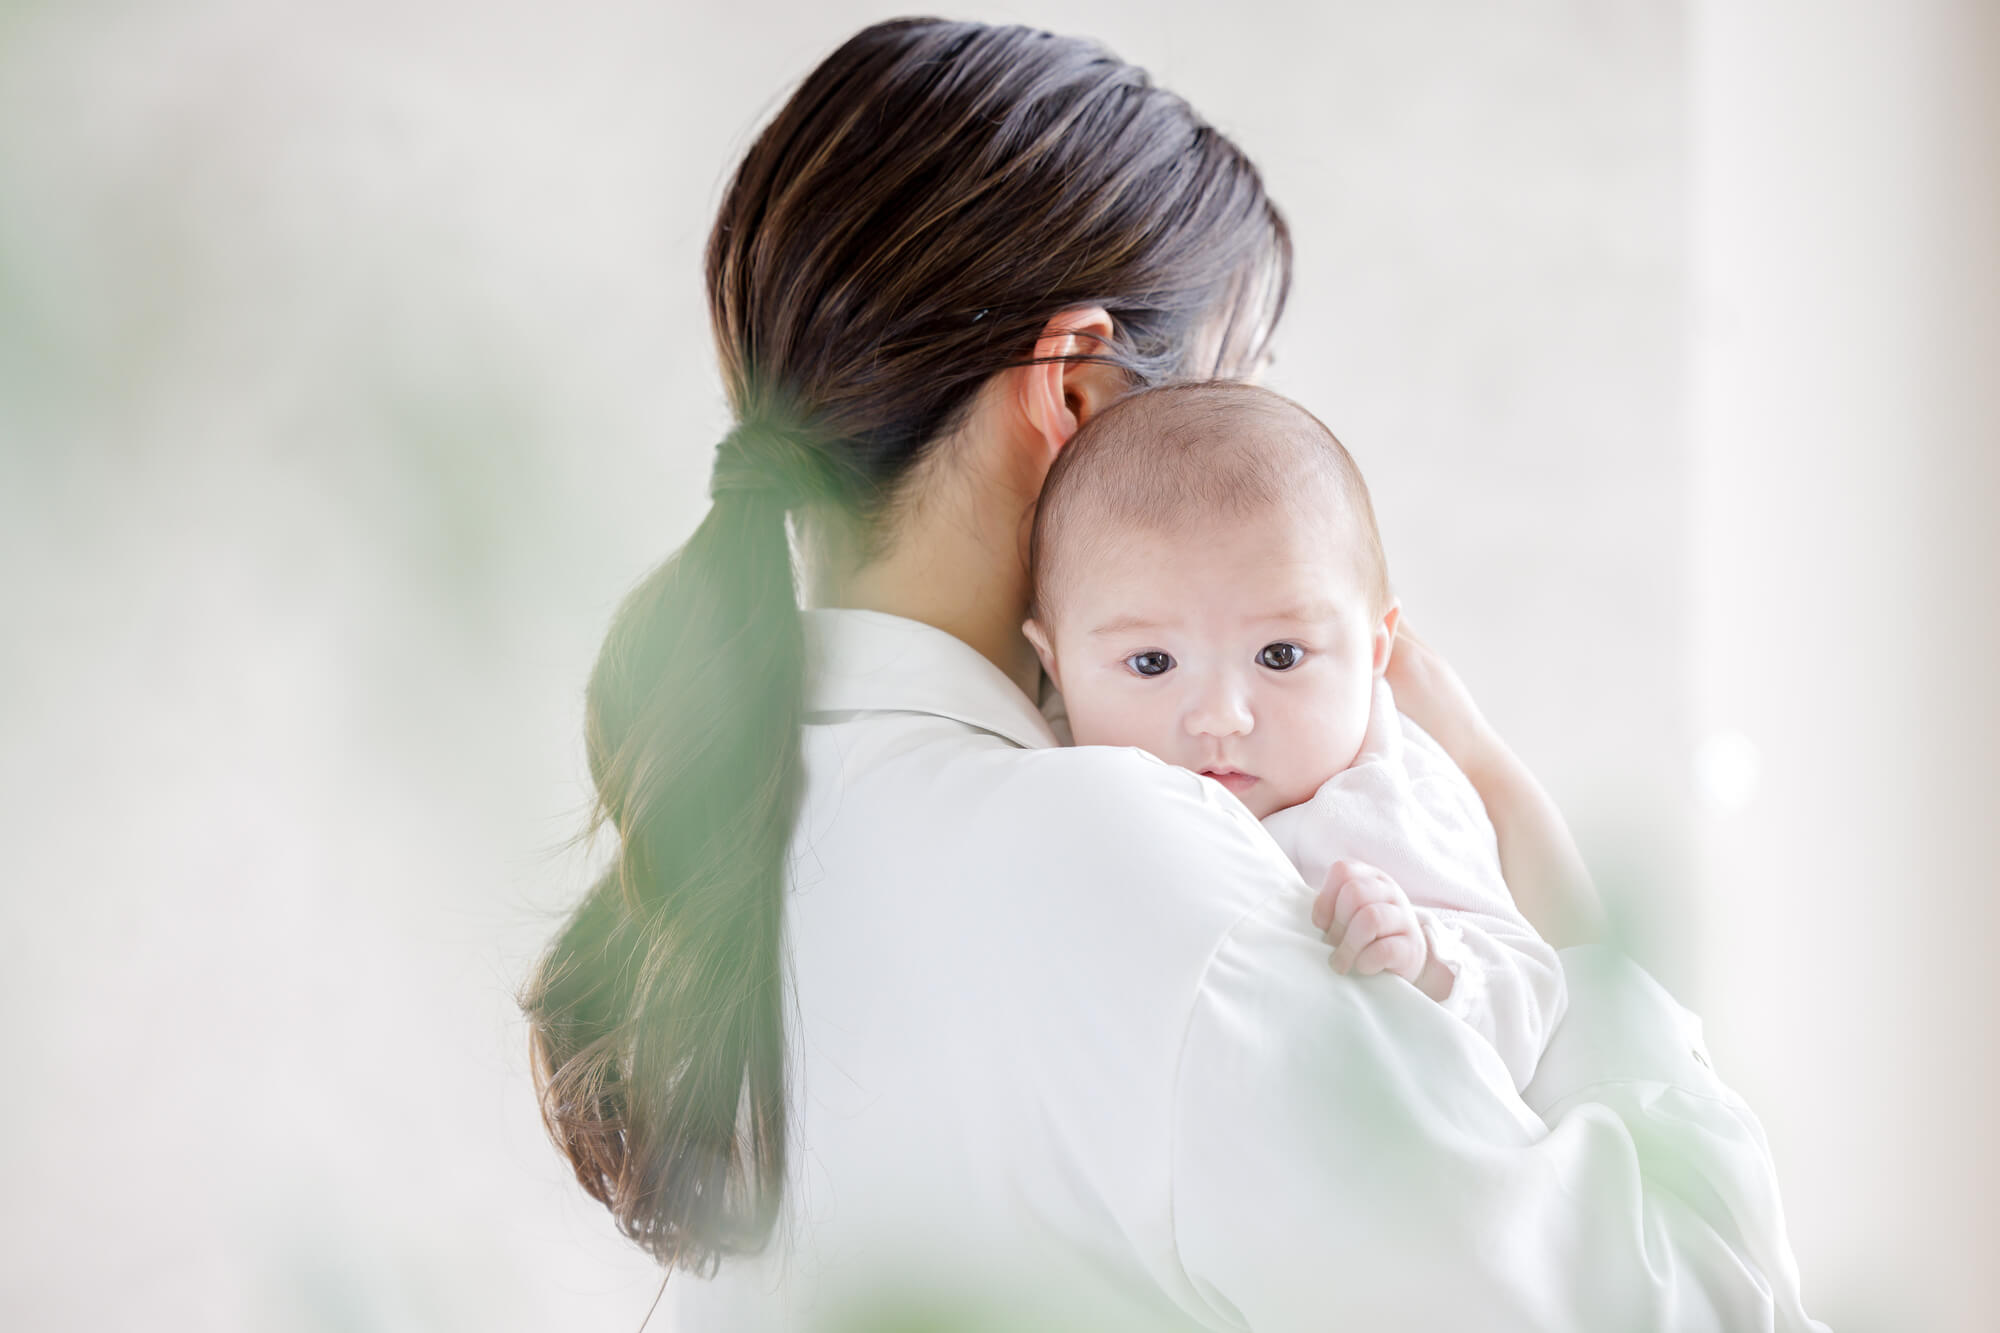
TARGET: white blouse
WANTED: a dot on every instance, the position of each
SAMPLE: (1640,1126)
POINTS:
(1067,1054)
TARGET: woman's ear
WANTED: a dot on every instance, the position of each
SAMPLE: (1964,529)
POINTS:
(1038,637)
(1058,395)
(1385,635)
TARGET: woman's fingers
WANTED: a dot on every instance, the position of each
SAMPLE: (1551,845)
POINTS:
(1430,693)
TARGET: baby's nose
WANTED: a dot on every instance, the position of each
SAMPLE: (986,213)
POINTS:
(1220,709)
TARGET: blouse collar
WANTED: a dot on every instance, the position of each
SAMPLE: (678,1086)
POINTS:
(868,661)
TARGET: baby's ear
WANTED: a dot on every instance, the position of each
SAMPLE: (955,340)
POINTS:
(1385,635)
(1033,629)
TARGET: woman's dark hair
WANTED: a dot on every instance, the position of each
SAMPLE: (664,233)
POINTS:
(923,205)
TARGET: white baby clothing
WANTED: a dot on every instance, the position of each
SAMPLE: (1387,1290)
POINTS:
(1405,808)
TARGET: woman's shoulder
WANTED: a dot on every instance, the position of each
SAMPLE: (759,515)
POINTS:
(1095,791)
(1109,780)
(1118,827)
(1109,848)
(945,773)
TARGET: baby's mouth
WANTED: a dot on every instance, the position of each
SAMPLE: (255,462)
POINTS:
(1237,781)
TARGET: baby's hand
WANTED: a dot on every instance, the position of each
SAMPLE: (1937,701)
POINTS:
(1371,923)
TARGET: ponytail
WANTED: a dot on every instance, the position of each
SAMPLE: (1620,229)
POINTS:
(657,1013)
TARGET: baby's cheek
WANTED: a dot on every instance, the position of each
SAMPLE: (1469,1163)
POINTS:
(1323,737)
(1111,717)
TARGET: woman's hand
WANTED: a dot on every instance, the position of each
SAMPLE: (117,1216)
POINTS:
(1538,856)
(1429,693)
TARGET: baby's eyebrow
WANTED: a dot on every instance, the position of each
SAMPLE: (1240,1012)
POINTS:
(1125,624)
(1310,613)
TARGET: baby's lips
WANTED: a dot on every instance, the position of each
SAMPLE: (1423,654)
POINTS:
(1236,782)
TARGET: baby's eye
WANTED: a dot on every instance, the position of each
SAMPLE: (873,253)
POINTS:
(1150,663)
(1280,656)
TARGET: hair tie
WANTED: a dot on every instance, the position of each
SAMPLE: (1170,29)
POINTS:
(757,459)
(770,461)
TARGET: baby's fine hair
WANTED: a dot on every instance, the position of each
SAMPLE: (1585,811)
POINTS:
(1161,456)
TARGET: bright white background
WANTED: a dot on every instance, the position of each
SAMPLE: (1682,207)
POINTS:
(353,362)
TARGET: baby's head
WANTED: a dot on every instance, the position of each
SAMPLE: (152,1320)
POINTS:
(1209,585)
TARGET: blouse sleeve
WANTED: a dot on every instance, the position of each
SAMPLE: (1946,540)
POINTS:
(1339,1155)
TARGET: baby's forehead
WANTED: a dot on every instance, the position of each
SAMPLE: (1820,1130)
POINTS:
(1276,560)
(1188,458)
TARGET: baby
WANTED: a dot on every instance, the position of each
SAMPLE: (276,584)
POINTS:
(1209,586)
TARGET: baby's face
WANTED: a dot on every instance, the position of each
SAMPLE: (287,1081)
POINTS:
(1243,650)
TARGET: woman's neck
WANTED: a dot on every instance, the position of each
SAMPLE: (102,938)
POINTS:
(957,563)
(958,590)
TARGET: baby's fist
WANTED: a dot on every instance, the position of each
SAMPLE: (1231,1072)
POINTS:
(1371,923)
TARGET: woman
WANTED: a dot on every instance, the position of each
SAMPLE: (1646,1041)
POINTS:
(891,1008)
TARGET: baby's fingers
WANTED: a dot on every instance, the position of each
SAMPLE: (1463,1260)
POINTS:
(1370,924)
(1399,953)
(1349,885)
